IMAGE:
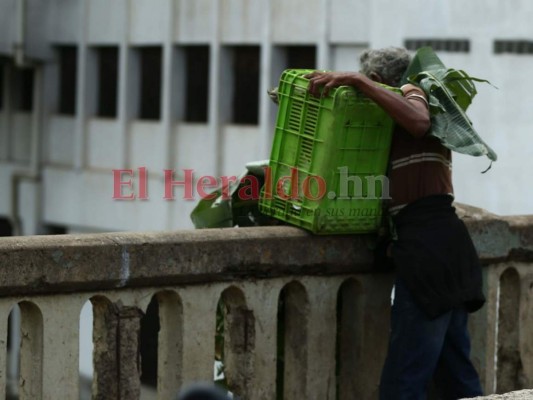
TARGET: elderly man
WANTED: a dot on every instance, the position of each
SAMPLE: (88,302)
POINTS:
(438,276)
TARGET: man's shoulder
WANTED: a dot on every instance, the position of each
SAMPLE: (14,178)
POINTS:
(409,88)
(413,92)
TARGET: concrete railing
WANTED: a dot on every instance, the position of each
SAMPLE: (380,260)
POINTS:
(304,315)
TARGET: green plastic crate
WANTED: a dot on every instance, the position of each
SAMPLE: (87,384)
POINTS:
(343,137)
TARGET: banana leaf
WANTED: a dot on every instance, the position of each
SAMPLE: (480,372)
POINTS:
(229,211)
(450,92)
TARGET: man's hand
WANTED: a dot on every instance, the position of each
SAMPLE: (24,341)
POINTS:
(410,113)
(330,80)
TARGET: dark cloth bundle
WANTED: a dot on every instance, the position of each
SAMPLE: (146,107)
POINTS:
(435,257)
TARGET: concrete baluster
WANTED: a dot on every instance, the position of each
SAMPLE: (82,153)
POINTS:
(61,346)
(263,298)
(105,352)
(170,350)
(116,350)
(199,317)
(320,350)
(31,352)
(129,373)
(239,342)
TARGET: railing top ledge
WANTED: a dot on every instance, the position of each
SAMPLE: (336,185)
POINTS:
(66,263)
(48,264)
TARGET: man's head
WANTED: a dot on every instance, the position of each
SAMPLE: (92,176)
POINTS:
(385,65)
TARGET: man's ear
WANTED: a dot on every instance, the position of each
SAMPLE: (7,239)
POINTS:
(375,77)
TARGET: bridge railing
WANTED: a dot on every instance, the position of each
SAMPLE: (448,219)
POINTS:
(301,316)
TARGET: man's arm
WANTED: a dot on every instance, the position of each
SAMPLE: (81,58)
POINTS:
(410,112)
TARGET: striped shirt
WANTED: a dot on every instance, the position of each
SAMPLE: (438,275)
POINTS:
(418,167)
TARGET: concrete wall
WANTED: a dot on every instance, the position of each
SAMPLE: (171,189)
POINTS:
(325,286)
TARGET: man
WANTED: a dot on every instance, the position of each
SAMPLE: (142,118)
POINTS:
(438,276)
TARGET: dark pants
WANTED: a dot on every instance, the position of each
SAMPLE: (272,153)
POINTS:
(421,348)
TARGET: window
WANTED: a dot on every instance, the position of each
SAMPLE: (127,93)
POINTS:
(55,229)
(22,89)
(245,102)
(448,45)
(1,86)
(107,81)
(301,57)
(196,83)
(513,47)
(150,82)
(6,229)
(68,66)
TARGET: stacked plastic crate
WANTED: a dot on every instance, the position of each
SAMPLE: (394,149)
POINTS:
(329,158)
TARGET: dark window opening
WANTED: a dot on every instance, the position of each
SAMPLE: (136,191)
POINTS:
(6,229)
(1,86)
(246,61)
(107,82)
(513,47)
(150,82)
(197,83)
(23,90)
(68,68)
(301,57)
(447,45)
(55,230)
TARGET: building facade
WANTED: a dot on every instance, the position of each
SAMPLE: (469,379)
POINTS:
(91,86)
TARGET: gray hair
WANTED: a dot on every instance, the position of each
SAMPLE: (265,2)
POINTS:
(389,63)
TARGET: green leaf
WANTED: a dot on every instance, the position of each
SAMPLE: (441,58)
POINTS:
(425,59)
(227,212)
(450,93)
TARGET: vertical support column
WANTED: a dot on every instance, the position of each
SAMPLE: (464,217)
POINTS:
(167,94)
(127,88)
(105,360)
(129,373)
(50,78)
(321,338)
(215,83)
(265,106)
(31,352)
(170,347)
(239,342)
(168,101)
(61,347)
(5,128)
(32,207)
(323,56)
(264,304)
(81,98)
(116,360)
(199,326)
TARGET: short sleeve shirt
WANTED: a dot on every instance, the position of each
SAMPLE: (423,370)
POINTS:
(418,166)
